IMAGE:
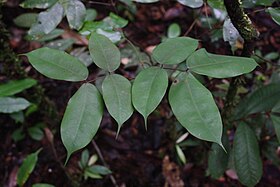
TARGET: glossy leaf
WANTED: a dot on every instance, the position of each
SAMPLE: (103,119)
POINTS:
(191,3)
(75,13)
(37,3)
(57,64)
(145,1)
(104,53)
(174,50)
(27,167)
(148,89)
(269,95)
(275,14)
(47,21)
(116,91)
(11,105)
(247,160)
(173,31)
(219,66)
(26,20)
(194,107)
(82,118)
(276,123)
(16,86)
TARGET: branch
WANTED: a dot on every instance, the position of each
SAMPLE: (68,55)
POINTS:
(249,33)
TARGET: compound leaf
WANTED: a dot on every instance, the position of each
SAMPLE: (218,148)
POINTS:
(82,118)
(148,90)
(57,64)
(194,107)
(104,53)
(247,160)
(116,91)
(219,66)
(174,50)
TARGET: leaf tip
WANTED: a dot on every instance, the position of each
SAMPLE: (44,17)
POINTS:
(145,122)
(118,131)
(68,157)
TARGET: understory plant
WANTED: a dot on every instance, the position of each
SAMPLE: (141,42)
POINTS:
(172,70)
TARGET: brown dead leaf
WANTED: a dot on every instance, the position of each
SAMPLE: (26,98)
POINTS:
(171,173)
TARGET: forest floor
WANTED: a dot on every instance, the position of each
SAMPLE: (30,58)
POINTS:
(138,157)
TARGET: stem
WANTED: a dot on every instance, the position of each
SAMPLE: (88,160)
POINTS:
(112,178)
(249,33)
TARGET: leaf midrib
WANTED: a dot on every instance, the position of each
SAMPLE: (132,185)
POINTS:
(189,90)
(57,65)
(84,97)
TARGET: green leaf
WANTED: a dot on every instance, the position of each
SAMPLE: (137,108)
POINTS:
(174,50)
(75,13)
(218,158)
(276,123)
(219,66)
(47,21)
(84,159)
(275,14)
(145,1)
(16,86)
(91,14)
(43,4)
(61,44)
(116,91)
(57,64)
(11,105)
(99,170)
(26,20)
(181,154)
(191,3)
(92,175)
(115,21)
(173,31)
(104,53)
(36,133)
(82,118)
(18,134)
(42,185)
(27,167)
(17,116)
(148,90)
(216,4)
(194,107)
(45,37)
(247,160)
(269,94)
